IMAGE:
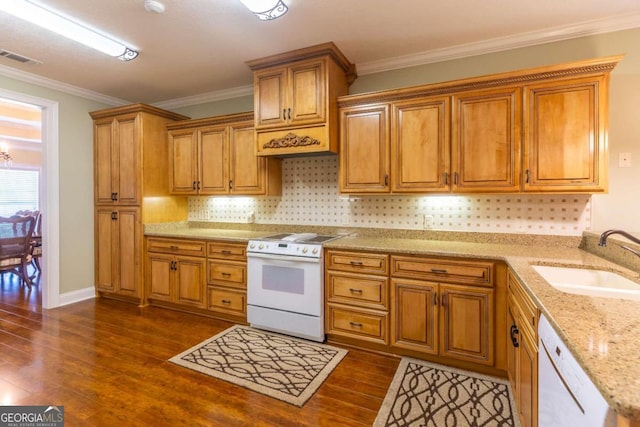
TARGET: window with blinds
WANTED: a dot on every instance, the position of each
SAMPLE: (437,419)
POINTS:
(19,190)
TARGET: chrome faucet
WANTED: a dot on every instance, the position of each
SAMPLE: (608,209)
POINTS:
(606,234)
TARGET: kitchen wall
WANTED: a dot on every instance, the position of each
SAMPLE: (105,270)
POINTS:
(524,214)
(310,197)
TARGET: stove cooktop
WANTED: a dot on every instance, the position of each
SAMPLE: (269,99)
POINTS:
(301,237)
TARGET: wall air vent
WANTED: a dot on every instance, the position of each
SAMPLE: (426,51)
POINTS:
(15,57)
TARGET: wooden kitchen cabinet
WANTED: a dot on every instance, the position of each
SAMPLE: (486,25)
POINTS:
(522,351)
(356,285)
(453,320)
(401,147)
(227,280)
(485,140)
(118,251)
(294,99)
(216,156)
(174,277)
(130,164)
(537,130)
(566,135)
(364,149)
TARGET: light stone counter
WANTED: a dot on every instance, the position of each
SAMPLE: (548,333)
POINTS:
(602,333)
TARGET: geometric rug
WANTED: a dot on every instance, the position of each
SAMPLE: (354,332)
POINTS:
(427,394)
(279,366)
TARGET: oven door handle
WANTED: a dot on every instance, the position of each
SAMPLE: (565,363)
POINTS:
(274,257)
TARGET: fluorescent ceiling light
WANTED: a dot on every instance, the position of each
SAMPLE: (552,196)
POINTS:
(266,10)
(56,22)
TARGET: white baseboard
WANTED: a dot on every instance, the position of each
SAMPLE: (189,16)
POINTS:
(76,296)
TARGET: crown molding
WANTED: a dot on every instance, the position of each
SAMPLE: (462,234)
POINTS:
(587,28)
(549,35)
(60,86)
(218,95)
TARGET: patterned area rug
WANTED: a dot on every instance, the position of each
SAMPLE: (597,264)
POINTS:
(279,366)
(426,394)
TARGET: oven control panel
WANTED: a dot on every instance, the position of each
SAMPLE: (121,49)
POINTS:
(307,250)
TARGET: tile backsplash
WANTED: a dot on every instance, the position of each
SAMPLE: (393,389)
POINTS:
(310,197)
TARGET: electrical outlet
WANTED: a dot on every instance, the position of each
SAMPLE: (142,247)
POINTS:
(428,222)
(624,161)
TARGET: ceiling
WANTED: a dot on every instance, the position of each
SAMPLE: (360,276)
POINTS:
(197,49)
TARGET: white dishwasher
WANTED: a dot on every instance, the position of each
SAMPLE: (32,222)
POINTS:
(566,396)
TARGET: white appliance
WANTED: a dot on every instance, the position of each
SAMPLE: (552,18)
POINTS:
(285,284)
(566,395)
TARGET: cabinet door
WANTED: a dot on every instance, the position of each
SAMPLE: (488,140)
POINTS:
(486,140)
(128,249)
(214,160)
(420,145)
(190,281)
(414,315)
(364,149)
(467,324)
(159,276)
(527,380)
(183,161)
(269,98)
(247,171)
(565,136)
(104,160)
(105,243)
(306,92)
(127,167)
(511,350)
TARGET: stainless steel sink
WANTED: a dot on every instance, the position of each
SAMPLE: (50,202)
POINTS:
(582,281)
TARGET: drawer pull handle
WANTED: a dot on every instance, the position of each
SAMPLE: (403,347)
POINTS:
(226,252)
(356,324)
(513,332)
(226,274)
(439,271)
(356,263)
(226,301)
(355,291)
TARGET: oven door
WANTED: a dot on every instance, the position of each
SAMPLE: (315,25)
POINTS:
(286,283)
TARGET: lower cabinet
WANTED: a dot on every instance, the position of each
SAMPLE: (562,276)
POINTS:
(227,280)
(522,352)
(450,321)
(418,306)
(173,277)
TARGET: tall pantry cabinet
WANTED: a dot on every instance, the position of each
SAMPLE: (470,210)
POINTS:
(130,176)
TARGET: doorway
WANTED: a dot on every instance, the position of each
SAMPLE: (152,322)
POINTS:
(49,193)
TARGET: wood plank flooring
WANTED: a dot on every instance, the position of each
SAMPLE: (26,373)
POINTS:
(106,362)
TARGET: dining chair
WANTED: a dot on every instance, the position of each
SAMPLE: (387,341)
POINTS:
(36,240)
(15,245)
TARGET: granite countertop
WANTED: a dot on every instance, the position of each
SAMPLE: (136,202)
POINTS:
(602,333)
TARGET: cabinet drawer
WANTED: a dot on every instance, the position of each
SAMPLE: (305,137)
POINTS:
(232,251)
(361,324)
(358,262)
(227,301)
(360,290)
(227,273)
(175,246)
(437,270)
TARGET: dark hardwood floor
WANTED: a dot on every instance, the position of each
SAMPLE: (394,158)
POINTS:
(106,362)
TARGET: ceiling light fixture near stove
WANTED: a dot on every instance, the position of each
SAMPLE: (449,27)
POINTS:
(55,21)
(153,6)
(266,10)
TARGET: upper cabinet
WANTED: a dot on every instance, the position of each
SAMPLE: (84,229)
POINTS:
(295,100)
(126,143)
(566,135)
(216,156)
(538,130)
